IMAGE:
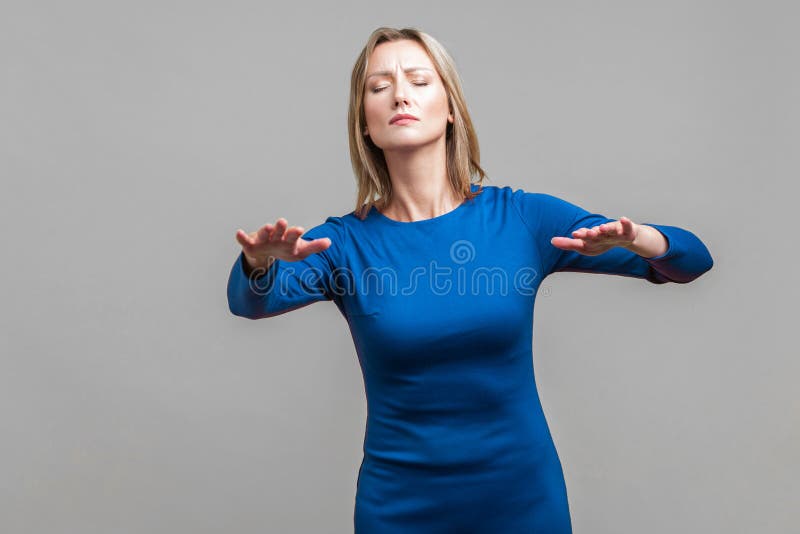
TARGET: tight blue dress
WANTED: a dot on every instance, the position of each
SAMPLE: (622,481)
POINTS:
(441,315)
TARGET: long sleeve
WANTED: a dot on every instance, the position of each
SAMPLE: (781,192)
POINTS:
(286,285)
(547,216)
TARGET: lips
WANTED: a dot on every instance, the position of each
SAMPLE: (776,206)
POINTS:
(401,116)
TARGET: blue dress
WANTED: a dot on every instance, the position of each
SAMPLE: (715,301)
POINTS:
(441,315)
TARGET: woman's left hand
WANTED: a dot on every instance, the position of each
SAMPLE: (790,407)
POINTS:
(598,239)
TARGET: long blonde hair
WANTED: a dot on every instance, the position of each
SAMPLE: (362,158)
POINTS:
(369,165)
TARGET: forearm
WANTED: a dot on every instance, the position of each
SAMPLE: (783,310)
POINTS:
(649,242)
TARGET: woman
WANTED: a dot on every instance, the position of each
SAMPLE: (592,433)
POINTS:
(436,277)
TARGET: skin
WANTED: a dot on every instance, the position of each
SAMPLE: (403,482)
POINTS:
(279,240)
(415,155)
(641,239)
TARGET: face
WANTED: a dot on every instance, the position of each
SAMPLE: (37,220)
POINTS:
(401,78)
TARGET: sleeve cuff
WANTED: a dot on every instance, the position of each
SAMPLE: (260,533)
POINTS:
(686,256)
(261,282)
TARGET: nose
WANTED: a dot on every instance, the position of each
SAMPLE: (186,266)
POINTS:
(400,98)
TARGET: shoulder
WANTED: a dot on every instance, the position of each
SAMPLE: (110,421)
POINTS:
(528,201)
(340,229)
(332,227)
(543,213)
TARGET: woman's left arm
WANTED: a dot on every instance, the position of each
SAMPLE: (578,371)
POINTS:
(674,254)
(570,238)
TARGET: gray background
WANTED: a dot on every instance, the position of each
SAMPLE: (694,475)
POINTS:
(136,137)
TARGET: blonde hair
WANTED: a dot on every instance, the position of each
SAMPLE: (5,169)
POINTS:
(369,165)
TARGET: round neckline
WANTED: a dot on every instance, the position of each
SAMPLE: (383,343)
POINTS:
(447,215)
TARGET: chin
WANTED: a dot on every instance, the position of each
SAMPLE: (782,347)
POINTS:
(406,144)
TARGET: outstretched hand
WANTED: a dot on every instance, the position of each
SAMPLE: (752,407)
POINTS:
(279,241)
(598,239)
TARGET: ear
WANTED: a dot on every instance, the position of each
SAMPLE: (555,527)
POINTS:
(450,118)
(366,133)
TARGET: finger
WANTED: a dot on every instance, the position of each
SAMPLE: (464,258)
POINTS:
(627,226)
(293,234)
(609,229)
(263,233)
(602,231)
(280,228)
(243,238)
(312,247)
(591,233)
(566,243)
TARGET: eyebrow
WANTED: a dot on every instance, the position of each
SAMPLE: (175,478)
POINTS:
(388,72)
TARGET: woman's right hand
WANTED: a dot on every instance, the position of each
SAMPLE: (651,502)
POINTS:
(280,241)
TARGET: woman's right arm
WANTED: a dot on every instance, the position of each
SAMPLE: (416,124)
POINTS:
(279,271)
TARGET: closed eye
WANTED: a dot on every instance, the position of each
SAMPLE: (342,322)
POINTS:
(379,89)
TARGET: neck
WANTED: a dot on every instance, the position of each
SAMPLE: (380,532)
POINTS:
(420,185)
